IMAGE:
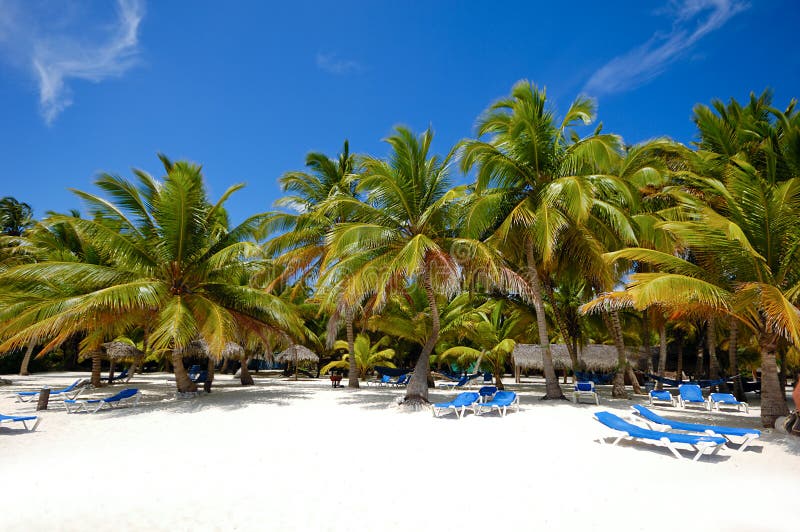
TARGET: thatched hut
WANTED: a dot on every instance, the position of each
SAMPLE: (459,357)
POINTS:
(296,354)
(595,357)
(116,352)
(199,348)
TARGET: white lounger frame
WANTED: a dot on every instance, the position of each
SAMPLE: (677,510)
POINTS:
(577,395)
(701,448)
(24,422)
(477,408)
(716,404)
(84,405)
(459,410)
(746,439)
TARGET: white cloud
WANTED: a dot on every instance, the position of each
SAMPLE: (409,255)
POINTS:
(55,51)
(691,21)
(333,64)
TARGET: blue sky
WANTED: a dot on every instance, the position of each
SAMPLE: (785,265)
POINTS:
(248,88)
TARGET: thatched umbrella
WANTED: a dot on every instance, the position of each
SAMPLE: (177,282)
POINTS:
(595,357)
(116,351)
(297,353)
(199,348)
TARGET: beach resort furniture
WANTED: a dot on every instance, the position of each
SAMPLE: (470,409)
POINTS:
(123,376)
(460,383)
(383,381)
(651,418)
(502,401)
(703,444)
(71,392)
(94,405)
(585,390)
(662,396)
(21,419)
(402,380)
(717,399)
(690,394)
(458,405)
(486,393)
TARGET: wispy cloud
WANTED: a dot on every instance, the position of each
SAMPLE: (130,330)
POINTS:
(691,21)
(333,64)
(56,49)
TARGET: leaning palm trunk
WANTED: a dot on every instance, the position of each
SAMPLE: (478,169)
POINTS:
(646,340)
(96,368)
(559,319)
(209,375)
(352,378)
(182,380)
(773,400)
(247,380)
(613,323)
(417,394)
(662,353)
(552,388)
(225,362)
(733,364)
(23,370)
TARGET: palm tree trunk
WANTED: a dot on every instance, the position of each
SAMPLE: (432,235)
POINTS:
(247,380)
(699,368)
(559,319)
(182,380)
(352,379)
(713,361)
(225,362)
(679,366)
(733,364)
(96,369)
(23,369)
(773,399)
(417,390)
(552,388)
(212,364)
(111,366)
(613,323)
(662,352)
(646,340)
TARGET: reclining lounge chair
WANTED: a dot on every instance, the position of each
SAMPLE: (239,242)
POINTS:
(585,390)
(502,401)
(23,420)
(691,394)
(458,405)
(651,418)
(661,396)
(702,444)
(94,405)
(715,400)
(71,392)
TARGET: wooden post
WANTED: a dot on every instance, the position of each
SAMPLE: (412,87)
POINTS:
(44,398)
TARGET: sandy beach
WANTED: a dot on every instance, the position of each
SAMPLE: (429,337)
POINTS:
(286,455)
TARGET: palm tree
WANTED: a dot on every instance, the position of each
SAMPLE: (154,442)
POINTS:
(367,355)
(404,231)
(172,261)
(538,186)
(15,216)
(300,248)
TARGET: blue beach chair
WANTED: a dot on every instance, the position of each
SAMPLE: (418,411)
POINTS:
(690,394)
(701,444)
(458,405)
(71,392)
(123,376)
(502,401)
(585,390)
(715,400)
(661,396)
(460,383)
(651,418)
(486,393)
(126,395)
(21,419)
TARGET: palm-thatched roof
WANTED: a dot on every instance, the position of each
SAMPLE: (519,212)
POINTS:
(120,350)
(596,357)
(199,348)
(297,352)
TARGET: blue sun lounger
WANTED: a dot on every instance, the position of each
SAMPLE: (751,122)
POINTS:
(585,390)
(651,418)
(502,401)
(463,381)
(123,376)
(72,391)
(458,405)
(662,396)
(486,393)
(94,405)
(691,394)
(21,419)
(717,399)
(702,444)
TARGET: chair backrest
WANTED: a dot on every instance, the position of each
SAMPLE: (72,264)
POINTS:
(487,377)
(465,399)
(691,392)
(504,398)
(385,378)
(650,415)
(124,394)
(661,394)
(487,391)
(68,388)
(584,386)
(462,381)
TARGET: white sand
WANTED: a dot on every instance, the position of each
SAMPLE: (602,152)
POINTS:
(288,455)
